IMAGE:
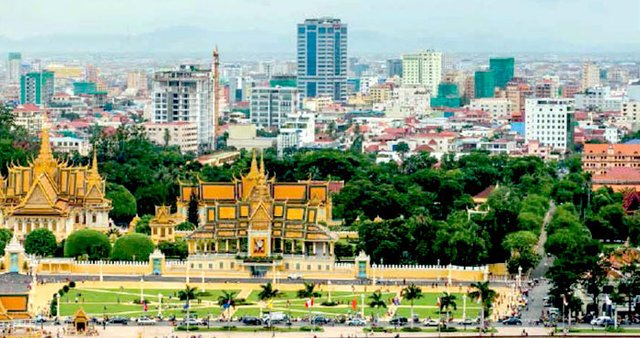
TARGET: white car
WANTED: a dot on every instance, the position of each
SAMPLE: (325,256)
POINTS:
(146,321)
(191,322)
(295,276)
(600,320)
(357,322)
(431,322)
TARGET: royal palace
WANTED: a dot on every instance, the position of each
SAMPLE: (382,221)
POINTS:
(51,194)
(256,222)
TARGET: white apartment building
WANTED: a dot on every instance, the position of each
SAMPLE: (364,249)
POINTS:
(28,116)
(550,121)
(184,135)
(70,145)
(186,95)
(301,124)
(499,108)
(409,100)
(590,76)
(269,106)
(597,98)
(423,68)
(630,113)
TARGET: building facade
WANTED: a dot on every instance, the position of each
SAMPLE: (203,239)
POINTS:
(36,87)
(499,108)
(29,117)
(322,58)
(394,67)
(597,98)
(597,159)
(186,95)
(14,62)
(183,135)
(550,121)
(484,84)
(503,70)
(50,194)
(269,106)
(424,69)
(590,76)
(630,112)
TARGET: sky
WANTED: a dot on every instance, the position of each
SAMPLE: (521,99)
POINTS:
(585,25)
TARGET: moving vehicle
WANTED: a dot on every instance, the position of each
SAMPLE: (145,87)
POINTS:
(357,322)
(431,322)
(295,276)
(251,321)
(275,318)
(119,320)
(512,321)
(319,320)
(146,321)
(192,322)
(601,321)
(399,321)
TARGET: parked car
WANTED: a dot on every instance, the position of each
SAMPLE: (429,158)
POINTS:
(119,320)
(357,322)
(40,320)
(191,322)
(600,320)
(251,321)
(512,321)
(469,322)
(146,321)
(295,276)
(431,322)
(399,321)
(319,320)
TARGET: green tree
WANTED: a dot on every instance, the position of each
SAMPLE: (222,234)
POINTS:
(188,293)
(267,292)
(308,291)
(411,293)
(483,293)
(5,237)
(376,301)
(94,244)
(227,297)
(192,211)
(402,148)
(142,227)
(185,226)
(521,245)
(176,250)
(132,247)
(40,242)
(123,202)
(447,301)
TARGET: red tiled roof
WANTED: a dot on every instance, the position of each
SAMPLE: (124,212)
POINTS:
(618,174)
(621,149)
(372,148)
(27,107)
(424,148)
(485,193)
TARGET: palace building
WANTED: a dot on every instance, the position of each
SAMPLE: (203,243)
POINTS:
(261,222)
(51,194)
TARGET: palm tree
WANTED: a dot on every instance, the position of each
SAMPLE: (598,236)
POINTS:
(227,297)
(447,300)
(308,291)
(485,295)
(268,292)
(411,293)
(188,293)
(376,300)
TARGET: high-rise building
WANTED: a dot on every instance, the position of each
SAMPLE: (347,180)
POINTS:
(186,94)
(13,67)
(502,69)
(91,73)
(269,106)
(137,80)
(484,83)
(394,67)
(550,122)
(590,75)
(36,87)
(423,68)
(322,58)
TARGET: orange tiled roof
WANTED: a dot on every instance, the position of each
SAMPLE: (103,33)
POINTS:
(619,173)
(621,149)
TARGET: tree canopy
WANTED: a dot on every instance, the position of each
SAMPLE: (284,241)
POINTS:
(132,247)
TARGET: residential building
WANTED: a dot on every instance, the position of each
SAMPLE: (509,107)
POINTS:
(597,98)
(269,106)
(550,121)
(137,80)
(590,75)
(503,70)
(394,67)
(36,87)
(597,159)
(322,58)
(70,145)
(380,92)
(409,100)
(423,69)
(91,74)
(631,114)
(297,131)
(633,91)
(186,95)
(517,91)
(14,62)
(28,116)
(484,84)
(245,136)
(499,108)
(547,87)
(184,135)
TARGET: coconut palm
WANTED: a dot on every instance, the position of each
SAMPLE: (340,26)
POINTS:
(188,293)
(308,291)
(376,301)
(227,297)
(268,292)
(447,301)
(411,293)
(485,295)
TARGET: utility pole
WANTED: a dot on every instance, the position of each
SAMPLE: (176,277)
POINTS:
(216,96)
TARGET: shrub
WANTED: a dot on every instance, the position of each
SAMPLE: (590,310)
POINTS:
(94,244)
(65,288)
(411,329)
(328,303)
(311,328)
(72,284)
(132,247)
(184,328)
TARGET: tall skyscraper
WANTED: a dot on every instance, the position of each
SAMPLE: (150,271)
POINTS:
(484,83)
(36,87)
(394,67)
(91,73)
(423,68)
(590,76)
(13,67)
(322,58)
(502,69)
(185,94)
(550,121)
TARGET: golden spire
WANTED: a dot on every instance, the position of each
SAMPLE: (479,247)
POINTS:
(254,166)
(45,145)
(262,170)
(93,173)
(45,163)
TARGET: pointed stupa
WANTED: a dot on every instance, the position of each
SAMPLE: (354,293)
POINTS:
(45,163)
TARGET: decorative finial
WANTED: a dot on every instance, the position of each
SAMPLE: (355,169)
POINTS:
(254,165)
(262,170)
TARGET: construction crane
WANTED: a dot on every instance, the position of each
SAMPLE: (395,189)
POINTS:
(216,95)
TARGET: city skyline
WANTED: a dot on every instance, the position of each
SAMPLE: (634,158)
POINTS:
(463,26)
